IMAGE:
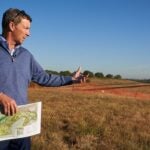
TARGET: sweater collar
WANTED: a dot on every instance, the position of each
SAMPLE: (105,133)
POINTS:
(3,41)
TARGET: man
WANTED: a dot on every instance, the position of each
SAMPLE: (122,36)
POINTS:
(18,67)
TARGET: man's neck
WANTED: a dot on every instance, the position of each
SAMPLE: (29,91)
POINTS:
(10,42)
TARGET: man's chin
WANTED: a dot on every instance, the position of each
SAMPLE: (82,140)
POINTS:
(19,42)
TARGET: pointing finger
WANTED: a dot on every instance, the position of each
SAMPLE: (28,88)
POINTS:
(79,69)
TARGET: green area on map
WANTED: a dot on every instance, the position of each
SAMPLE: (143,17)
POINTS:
(8,124)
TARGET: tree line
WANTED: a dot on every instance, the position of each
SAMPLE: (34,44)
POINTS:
(87,72)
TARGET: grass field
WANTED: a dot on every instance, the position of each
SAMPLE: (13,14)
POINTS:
(100,115)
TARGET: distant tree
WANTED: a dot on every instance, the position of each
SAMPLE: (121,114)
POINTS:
(99,75)
(89,73)
(65,73)
(117,76)
(51,72)
(110,76)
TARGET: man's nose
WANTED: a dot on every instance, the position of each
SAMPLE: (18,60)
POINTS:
(28,33)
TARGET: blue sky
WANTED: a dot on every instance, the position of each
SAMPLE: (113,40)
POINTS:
(109,36)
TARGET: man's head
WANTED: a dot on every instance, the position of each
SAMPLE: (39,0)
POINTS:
(13,15)
(17,23)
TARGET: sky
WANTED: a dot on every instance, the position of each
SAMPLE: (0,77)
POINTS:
(108,36)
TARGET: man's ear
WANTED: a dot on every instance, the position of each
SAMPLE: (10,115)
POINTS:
(11,26)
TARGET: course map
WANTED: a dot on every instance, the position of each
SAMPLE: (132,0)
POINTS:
(26,122)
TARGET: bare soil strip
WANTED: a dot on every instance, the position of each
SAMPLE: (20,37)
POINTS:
(117,89)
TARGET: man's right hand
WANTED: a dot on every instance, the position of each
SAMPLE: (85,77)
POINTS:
(9,105)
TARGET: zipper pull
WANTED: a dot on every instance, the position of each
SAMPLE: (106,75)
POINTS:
(13,57)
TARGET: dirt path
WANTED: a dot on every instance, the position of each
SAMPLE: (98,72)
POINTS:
(120,90)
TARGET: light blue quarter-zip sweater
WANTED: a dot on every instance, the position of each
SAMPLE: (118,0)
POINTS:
(17,71)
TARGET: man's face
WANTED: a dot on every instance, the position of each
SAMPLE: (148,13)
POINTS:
(21,31)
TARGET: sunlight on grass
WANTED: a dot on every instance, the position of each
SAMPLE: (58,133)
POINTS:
(76,120)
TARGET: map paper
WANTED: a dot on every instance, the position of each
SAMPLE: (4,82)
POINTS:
(26,122)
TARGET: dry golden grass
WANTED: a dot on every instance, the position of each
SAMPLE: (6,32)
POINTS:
(74,120)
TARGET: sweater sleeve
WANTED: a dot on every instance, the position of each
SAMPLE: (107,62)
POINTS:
(40,76)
